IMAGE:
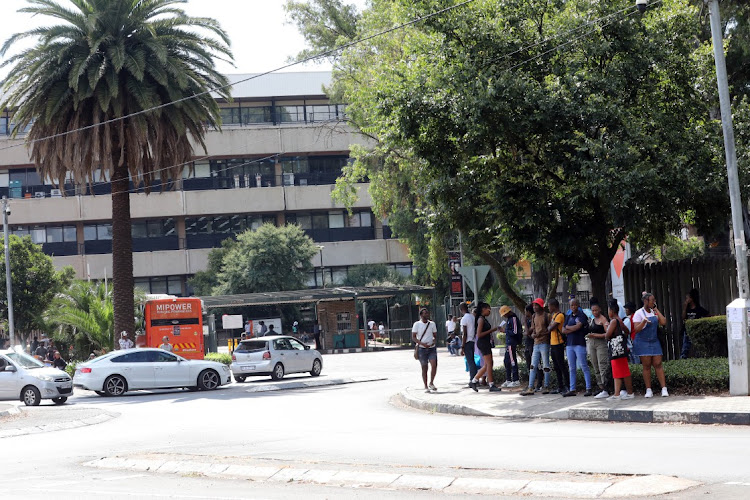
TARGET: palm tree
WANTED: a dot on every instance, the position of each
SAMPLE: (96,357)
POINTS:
(88,88)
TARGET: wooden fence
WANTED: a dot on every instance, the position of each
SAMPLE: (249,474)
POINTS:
(714,277)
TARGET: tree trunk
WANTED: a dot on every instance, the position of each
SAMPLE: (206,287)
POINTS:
(502,278)
(552,290)
(539,280)
(598,277)
(122,254)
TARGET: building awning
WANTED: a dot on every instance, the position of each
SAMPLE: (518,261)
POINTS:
(312,295)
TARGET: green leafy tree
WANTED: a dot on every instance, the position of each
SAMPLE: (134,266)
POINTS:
(35,282)
(325,24)
(269,259)
(531,149)
(85,86)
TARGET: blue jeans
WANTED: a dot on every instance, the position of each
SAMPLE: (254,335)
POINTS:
(543,351)
(469,355)
(577,356)
(686,345)
(511,363)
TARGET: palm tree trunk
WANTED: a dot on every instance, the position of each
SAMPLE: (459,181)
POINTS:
(122,254)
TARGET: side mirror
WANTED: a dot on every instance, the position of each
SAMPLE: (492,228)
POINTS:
(307,347)
(11,368)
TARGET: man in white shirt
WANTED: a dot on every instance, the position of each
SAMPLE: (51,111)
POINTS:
(469,338)
(424,334)
(450,325)
(125,342)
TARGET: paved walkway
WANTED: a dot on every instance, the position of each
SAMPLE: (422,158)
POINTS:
(459,399)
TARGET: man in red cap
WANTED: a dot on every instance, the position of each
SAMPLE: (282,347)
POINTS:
(541,336)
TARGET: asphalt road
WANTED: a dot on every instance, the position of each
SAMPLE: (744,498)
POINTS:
(351,426)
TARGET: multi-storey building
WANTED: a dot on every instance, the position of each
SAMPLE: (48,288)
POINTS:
(276,159)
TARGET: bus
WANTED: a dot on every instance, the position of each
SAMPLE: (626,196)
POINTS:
(180,319)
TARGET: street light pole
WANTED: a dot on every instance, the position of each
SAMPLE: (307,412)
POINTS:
(738,339)
(8,280)
(322,270)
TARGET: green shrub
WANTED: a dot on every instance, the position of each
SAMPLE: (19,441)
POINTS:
(386,341)
(709,336)
(219,357)
(70,369)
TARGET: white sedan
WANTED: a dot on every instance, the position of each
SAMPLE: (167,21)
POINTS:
(276,356)
(117,372)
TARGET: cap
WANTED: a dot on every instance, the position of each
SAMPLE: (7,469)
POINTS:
(540,302)
(504,310)
(123,333)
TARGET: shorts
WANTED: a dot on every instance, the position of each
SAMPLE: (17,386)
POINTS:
(427,354)
(484,346)
(620,368)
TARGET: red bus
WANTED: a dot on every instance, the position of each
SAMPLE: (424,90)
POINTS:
(180,320)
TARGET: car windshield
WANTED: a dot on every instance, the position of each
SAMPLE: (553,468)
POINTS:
(24,360)
(252,346)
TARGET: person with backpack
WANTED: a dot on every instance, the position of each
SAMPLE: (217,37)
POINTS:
(557,346)
(575,330)
(513,337)
(617,344)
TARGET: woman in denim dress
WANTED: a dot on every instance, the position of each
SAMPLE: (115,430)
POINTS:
(646,346)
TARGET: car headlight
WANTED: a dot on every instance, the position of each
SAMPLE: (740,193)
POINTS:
(47,378)
(225,367)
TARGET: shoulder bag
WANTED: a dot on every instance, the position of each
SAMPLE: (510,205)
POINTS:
(416,346)
(617,345)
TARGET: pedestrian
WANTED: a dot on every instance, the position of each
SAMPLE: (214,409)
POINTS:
(617,342)
(468,339)
(513,337)
(381,330)
(34,343)
(528,340)
(596,345)
(41,351)
(248,329)
(541,336)
(263,329)
(424,334)
(271,330)
(628,323)
(691,310)
(646,345)
(50,353)
(58,362)
(316,335)
(450,325)
(575,330)
(125,342)
(295,328)
(557,346)
(484,337)
(167,346)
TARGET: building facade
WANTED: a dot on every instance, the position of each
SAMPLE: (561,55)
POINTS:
(276,159)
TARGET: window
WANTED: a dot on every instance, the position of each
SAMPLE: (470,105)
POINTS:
(291,113)
(174,285)
(159,285)
(38,235)
(70,233)
(320,221)
(252,346)
(260,114)
(89,233)
(296,345)
(165,357)
(104,231)
(142,284)
(54,234)
(282,345)
(343,321)
(335,219)
(321,113)
(304,221)
(131,357)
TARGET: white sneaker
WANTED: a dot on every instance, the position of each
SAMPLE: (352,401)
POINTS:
(623,392)
(602,395)
(664,392)
(433,388)
(627,396)
(649,393)
(427,390)
(517,383)
(505,384)
(613,398)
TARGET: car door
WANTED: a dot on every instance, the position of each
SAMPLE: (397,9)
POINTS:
(9,388)
(285,353)
(303,357)
(137,367)
(170,371)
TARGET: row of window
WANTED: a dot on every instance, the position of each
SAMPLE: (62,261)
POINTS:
(231,224)
(304,113)
(172,285)
(330,220)
(46,234)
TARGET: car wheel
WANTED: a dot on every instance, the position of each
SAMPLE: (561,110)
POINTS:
(60,400)
(208,380)
(278,372)
(317,367)
(115,385)
(31,396)
(239,378)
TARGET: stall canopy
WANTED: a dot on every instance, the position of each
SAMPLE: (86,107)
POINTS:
(312,295)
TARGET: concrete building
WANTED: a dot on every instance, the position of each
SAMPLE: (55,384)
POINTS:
(281,148)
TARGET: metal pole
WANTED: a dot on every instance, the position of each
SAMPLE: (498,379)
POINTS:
(366,326)
(322,270)
(8,279)
(740,248)
(476,292)
(461,255)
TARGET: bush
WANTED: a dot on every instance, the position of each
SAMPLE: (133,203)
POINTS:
(386,341)
(709,336)
(219,357)
(70,368)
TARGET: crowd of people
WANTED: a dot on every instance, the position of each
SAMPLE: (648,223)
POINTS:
(561,342)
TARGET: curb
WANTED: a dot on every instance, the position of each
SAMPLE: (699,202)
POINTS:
(73,424)
(10,411)
(352,350)
(307,384)
(589,414)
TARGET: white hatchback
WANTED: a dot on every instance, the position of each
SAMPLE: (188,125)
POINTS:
(117,372)
(276,356)
(29,380)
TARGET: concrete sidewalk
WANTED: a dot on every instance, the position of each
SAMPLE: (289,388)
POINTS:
(458,399)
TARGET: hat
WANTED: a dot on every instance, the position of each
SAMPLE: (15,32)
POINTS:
(295,324)
(123,333)
(504,310)
(540,302)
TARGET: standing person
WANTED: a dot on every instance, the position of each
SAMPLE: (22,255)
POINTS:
(576,327)
(316,335)
(617,340)
(450,325)
(596,345)
(166,345)
(513,337)
(468,340)
(528,340)
(646,345)
(557,346)
(540,334)
(263,329)
(248,329)
(381,330)
(125,342)
(628,323)
(484,336)
(691,310)
(41,351)
(34,343)
(295,328)
(58,362)
(424,334)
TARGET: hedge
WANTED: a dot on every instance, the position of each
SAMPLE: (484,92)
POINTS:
(219,357)
(709,336)
(685,376)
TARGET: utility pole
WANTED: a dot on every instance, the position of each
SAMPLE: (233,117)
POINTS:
(8,280)
(738,336)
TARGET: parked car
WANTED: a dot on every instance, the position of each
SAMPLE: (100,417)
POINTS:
(275,356)
(117,372)
(27,379)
